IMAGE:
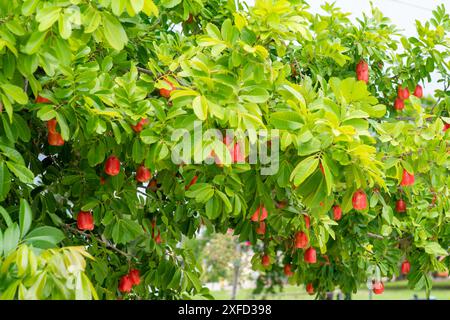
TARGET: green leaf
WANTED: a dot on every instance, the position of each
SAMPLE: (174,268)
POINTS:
(47,112)
(25,217)
(24,132)
(114,32)
(5,181)
(11,239)
(21,172)
(6,217)
(44,237)
(15,92)
(34,42)
(65,131)
(435,248)
(200,106)
(304,169)
(47,17)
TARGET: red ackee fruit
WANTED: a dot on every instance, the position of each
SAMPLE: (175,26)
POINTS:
(407,178)
(55,139)
(446,127)
(40,99)
(378,287)
(359,200)
(260,214)
(418,91)
(143,174)
(51,125)
(261,229)
(265,260)
(166,92)
(399,104)
(102,181)
(362,71)
(307,221)
(301,240)
(310,255)
(310,288)
(288,270)
(125,284)
(400,206)
(112,166)
(134,276)
(140,125)
(403,93)
(406,267)
(85,221)
(337,212)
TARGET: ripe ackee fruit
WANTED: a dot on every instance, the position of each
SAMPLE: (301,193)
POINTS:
(399,104)
(166,92)
(265,261)
(301,240)
(260,214)
(407,178)
(287,270)
(125,284)
(359,200)
(112,166)
(378,287)
(307,221)
(418,91)
(143,174)
(400,206)
(310,288)
(362,71)
(192,182)
(446,127)
(85,221)
(190,18)
(261,229)
(55,139)
(102,181)
(40,99)
(406,267)
(403,93)
(134,276)
(51,125)
(310,255)
(140,125)
(337,212)
(158,238)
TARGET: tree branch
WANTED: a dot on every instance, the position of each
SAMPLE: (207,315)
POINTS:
(146,71)
(375,236)
(91,236)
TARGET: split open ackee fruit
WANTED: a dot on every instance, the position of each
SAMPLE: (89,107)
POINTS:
(260,214)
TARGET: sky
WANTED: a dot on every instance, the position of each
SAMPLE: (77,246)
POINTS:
(403,13)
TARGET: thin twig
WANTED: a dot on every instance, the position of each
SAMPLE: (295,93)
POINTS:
(146,71)
(375,236)
(90,236)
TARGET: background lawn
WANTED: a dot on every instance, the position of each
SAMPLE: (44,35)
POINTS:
(393,291)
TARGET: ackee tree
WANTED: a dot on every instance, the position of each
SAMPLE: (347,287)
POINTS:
(93,94)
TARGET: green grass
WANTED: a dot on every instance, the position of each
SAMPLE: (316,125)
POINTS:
(393,291)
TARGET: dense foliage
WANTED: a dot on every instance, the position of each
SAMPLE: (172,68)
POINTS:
(91,92)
